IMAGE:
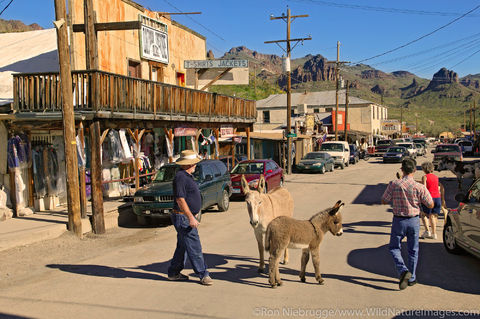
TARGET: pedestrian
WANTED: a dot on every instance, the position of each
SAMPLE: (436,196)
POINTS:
(186,206)
(430,215)
(406,196)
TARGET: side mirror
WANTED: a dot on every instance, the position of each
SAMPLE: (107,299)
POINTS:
(208,178)
(269,171)
(461,198)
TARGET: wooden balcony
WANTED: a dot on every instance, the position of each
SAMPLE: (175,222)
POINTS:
(98,94)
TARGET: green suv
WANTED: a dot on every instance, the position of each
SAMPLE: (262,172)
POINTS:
(156,199)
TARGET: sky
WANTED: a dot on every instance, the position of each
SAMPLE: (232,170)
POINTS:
(365,29)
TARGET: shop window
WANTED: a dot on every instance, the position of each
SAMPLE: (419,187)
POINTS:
(316,111)
(266,116)
(180,79)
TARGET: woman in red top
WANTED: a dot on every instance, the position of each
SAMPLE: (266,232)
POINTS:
(430,181)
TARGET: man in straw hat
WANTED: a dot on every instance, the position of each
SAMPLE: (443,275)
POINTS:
(187,204)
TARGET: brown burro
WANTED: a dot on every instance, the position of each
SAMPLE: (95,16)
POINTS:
(283,232)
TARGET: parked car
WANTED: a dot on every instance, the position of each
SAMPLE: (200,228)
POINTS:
(395,154)
(421,141)
(399,140)
(227,160)
(339,150)
(462,225)
(452,151)
(410,148)
(156,199)
(252,170)
(382,146)
(354,153)
(316,162)
(466,146)
(421,151)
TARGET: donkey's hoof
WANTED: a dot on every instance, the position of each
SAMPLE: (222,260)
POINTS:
(279,283)
(285,262)
(321,281)
(261,270)
(302,279)
(273,286)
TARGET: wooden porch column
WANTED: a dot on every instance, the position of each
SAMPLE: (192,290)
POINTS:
(98,221)
(217,136)
(82,173)
(31,188)
(169,134)
(248,144)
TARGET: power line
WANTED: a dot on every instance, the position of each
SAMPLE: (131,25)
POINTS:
(420,38)
(471,55)
(212,32)
(381,9)
(6,7)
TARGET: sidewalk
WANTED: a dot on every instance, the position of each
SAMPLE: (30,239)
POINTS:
(21,231)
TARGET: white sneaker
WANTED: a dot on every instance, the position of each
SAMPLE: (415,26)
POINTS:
(426,234)
(434,236)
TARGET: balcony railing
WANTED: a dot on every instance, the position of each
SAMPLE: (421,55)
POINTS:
(102,91)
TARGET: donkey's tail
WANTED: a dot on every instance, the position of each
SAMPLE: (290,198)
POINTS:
(267,238)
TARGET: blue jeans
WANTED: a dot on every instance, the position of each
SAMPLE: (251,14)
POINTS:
(188,245)
(410,228)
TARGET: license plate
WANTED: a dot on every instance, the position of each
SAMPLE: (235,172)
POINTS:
(236,190)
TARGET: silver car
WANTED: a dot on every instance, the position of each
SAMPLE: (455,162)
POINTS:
(462,225)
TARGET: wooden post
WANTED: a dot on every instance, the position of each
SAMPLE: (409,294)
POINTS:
(346,112)
(71,19)
(73,196)
(13,191)
(91,48)
(248,144)
(217,136)
(82,173)
(31,188)
(98,222)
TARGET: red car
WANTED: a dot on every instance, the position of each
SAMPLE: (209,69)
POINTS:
(252,170)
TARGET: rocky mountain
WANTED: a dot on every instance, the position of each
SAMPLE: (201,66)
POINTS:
(440,100)
(17,26)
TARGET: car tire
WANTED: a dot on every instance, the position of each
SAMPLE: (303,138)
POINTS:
(449,240)
(143,220)
(322,171)
(342,166)
(224,202)
(332,168)
(282,183)
(347,163)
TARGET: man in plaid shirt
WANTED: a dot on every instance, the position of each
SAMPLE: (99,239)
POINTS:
(406,196)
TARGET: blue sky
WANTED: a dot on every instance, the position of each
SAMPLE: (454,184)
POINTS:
(365,28)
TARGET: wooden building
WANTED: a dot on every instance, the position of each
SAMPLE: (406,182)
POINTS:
(134,88)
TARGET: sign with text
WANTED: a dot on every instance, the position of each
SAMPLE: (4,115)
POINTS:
(185,131)
(226,131)
(215,64)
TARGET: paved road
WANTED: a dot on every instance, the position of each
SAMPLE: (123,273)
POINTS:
(128,279)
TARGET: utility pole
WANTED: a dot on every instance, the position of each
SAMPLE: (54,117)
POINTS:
(337,78)
(474,129)
(289,19)
(346,112)
(73,194)
(471,122)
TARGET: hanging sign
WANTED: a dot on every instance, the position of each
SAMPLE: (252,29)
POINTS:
(226,131)
(185,131)
(237,139)
(215,64)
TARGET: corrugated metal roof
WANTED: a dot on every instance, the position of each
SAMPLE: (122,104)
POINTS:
(323,98)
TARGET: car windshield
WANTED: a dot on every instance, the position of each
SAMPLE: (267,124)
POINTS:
(465,143)
(248,168)
(447,149)
(418,145)
(315,156)
(406,145)
(332,147)
(396,150)
(383,142)
(166,173)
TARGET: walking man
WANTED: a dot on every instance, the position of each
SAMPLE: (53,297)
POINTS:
(406,196)
(186,206)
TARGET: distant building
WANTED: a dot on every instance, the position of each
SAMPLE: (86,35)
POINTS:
(363,116)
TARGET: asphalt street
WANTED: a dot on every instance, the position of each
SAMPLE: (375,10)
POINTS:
(130,281)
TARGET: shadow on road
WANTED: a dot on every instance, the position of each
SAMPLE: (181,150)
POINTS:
(356,227)
(435,267)
(370,194)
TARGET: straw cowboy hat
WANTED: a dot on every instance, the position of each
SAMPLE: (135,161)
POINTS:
(188,157)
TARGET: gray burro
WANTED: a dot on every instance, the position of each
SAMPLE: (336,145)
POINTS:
(307,235)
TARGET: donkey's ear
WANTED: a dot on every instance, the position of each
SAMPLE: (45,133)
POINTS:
(336,209)
(337,204)
(261,184)
(245,187)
